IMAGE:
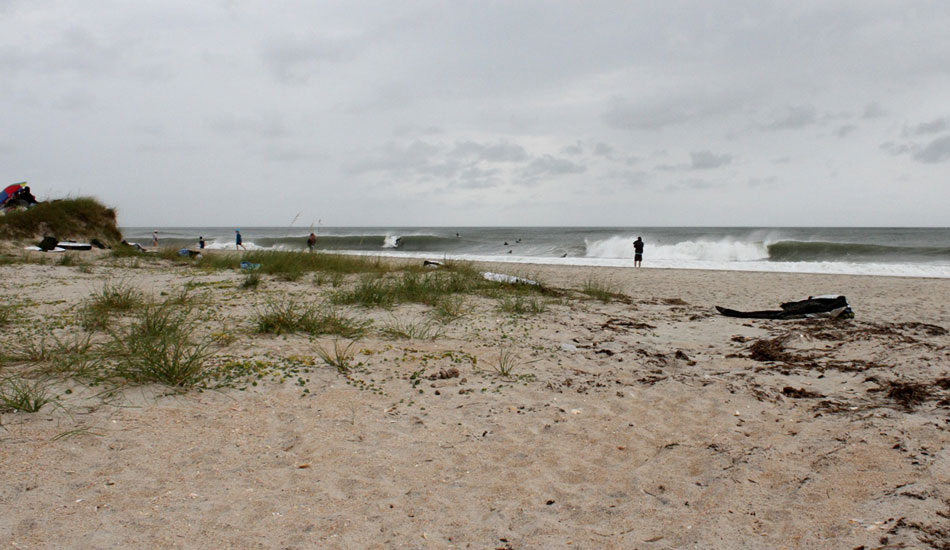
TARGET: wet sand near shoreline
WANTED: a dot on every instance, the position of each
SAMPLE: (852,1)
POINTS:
(646,422)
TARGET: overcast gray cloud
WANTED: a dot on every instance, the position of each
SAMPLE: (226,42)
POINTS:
(705,160)
(371,112)
(937,150)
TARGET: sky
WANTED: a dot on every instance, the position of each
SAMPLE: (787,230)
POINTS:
(462,113)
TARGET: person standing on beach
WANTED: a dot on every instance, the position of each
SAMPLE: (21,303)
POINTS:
(155,239)
(311,241)
(637,252)
(238,241)
(201,242)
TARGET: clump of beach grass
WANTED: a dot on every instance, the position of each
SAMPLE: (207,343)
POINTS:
(7,313)
(506,363)
(339,356)
(412,329)
(599,290)
(116,296)
(449,308)
(290,315)
(158,347)
(113,297)
(522,305)
(20,394)
(251,280)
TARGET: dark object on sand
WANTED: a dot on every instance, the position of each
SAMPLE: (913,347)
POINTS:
(834,306)
(70,245)
(98,244)
(48,243)
(432,263)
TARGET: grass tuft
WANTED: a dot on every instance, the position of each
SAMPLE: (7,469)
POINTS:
(339,356)
(599,290)
(289,316)
(18,394)
(522,305)
(158,348)
(424,329)
(506,363)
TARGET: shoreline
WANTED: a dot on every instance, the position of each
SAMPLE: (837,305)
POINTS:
(642,421)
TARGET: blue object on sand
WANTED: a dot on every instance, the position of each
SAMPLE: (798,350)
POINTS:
(183,252)
(249,266)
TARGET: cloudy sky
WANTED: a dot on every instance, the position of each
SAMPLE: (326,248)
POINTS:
(248,112)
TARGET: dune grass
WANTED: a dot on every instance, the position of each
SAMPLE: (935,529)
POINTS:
(599,290)
(159,347)
(291,265)
(20,394)
(115,296)
(290,315)
(81,218)
(339,356)
(522,305)
(409,329)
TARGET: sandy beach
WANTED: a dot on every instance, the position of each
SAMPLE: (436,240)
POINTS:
(647,422)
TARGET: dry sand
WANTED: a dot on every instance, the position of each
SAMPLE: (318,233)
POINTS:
(640,423)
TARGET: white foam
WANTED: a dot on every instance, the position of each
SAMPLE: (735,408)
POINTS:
(941,271)
(726,250)
(391,241)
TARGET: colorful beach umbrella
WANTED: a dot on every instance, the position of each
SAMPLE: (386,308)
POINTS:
(9,191)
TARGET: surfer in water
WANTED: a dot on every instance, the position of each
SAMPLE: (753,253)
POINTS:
(637,252)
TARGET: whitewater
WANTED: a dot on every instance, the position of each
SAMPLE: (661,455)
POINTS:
(906,252)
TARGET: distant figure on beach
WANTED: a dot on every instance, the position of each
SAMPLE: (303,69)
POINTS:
(238,241)
(637,252)
(201,241)
(27,196)
(311,241)
(155,239)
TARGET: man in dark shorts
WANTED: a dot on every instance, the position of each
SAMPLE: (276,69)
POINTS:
(637,252)
(311,241)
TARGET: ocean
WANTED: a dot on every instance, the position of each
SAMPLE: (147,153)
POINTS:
(909,252)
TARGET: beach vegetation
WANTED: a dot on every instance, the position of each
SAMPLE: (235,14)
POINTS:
(338,356)
(522,305)
(449,308)
(7,314)
(82,218)
(293,264)
(115,296)
(599,290)
(251,280)
(159,347)
(290,315)
(505,363)
(412,329)
(23,395)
